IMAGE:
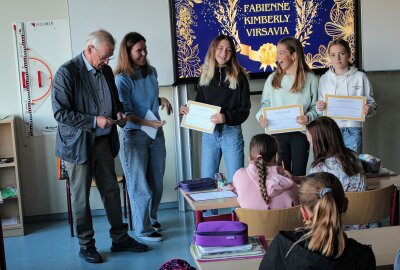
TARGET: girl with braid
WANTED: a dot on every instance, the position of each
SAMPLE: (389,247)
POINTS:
(262,185)
(322,243)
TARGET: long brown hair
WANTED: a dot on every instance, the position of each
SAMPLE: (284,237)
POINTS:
(327,141)
(125,63)
(263,149)
(294,46)
(233,66)
(323,196)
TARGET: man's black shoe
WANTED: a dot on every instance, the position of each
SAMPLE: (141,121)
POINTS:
(91,255)
(129,244)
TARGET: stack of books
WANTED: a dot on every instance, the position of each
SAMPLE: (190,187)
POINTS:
(256,247)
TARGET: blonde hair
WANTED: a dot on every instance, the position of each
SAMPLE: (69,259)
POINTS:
(294,46)
(233,66)
(125,63)
(322,194)
(263,149)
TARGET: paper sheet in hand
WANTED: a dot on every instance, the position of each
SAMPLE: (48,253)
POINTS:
(203,196)
(152,132)
(199,115)
(345,107)
(283,119)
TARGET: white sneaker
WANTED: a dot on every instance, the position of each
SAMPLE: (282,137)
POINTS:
(152,237)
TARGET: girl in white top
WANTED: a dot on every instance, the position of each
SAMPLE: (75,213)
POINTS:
(344,79)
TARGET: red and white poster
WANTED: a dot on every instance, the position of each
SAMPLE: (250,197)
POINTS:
(41,47)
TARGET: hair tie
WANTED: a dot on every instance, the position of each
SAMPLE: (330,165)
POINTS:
(324,191)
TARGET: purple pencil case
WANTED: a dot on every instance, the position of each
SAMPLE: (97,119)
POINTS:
(221,234)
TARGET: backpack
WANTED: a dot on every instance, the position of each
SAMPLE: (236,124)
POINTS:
(176,264)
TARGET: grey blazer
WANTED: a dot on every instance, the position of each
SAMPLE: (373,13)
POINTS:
(75,104)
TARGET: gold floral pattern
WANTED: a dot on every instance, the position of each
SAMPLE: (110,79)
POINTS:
(188,53)
(226,16)
(342,26)
(306,14)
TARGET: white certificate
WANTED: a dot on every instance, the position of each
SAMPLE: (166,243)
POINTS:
(213,195)
(283,119)
(199,116)
(345,107)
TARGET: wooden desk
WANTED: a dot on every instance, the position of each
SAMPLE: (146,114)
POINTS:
(383,181)
(232,264)
(385,242)
(199,206)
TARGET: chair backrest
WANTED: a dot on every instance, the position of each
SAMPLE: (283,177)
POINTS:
(270,222)
(368,206)
(61,171)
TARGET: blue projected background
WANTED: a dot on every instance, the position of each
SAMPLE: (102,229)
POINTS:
(256,27)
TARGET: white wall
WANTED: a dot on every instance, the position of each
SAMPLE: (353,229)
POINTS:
(380,33)
(43,194)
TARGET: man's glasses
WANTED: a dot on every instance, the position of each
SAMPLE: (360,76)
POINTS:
(102,58)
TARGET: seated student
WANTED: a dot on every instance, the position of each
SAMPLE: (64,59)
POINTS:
(322,243)
(331,155)
(261,185)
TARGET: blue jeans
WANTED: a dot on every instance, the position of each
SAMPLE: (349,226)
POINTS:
(143,162)
(352,137)
(227,141)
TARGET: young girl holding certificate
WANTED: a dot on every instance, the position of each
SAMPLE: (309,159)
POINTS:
(322,243)
(223,83)
(292,83)
(261,185)
(344,79)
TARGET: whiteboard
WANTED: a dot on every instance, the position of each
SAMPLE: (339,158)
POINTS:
(380,35)
(150,18)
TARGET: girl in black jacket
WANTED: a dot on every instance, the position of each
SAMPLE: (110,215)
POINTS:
(322,244)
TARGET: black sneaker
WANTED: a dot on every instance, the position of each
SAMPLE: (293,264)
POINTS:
(157,227)
(129,244)
(90,254)
(152,237)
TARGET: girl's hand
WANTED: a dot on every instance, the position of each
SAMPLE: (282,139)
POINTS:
(263,122)
(366,109)
(321,105)
(302,119)
(165,103)
(218,118)
(183,109)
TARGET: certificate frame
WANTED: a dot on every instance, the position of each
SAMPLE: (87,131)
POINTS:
(186,123)
(268,130)
(329,97)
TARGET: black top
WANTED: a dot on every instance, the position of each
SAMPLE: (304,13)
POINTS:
(235,103)
(356,256)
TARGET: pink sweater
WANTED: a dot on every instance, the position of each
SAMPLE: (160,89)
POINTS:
(281,190)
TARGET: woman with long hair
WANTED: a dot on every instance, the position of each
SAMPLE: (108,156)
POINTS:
(223,83)
(292,83)
(142,155)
